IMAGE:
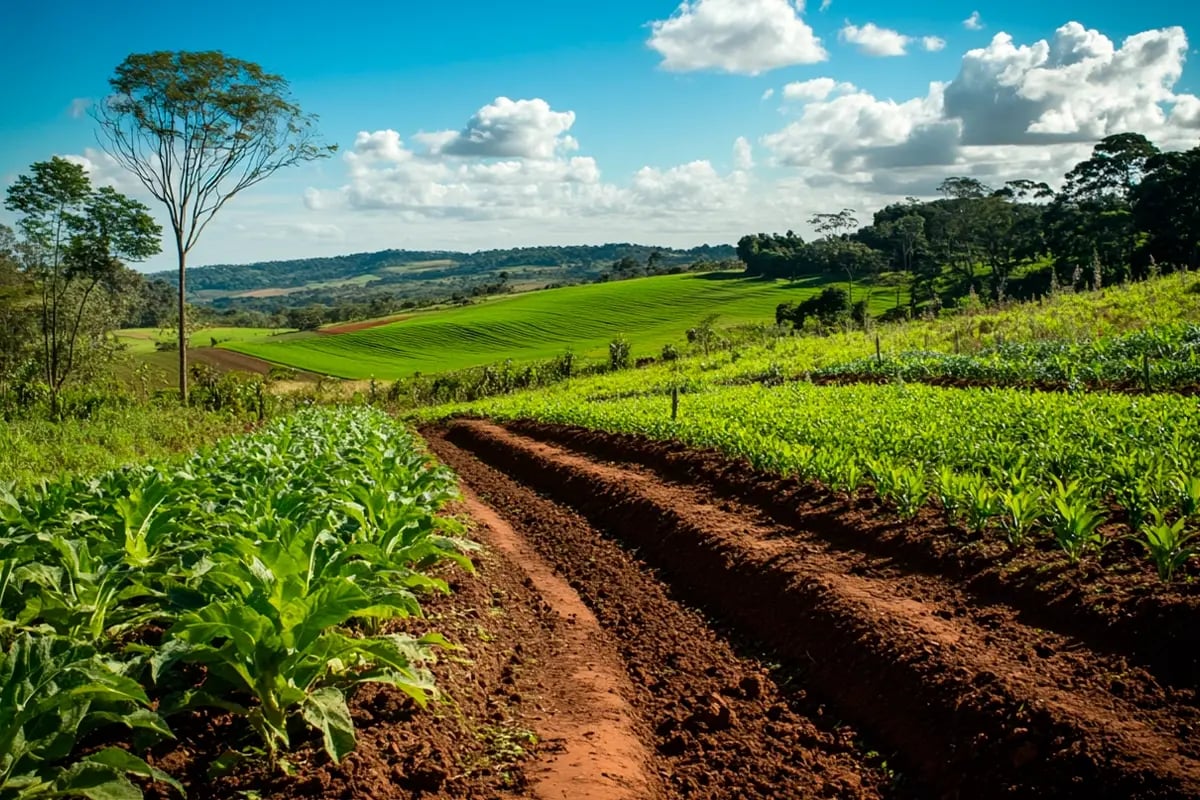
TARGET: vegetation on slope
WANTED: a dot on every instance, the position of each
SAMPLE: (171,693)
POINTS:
(255,579)
(650,312)
(1080,470)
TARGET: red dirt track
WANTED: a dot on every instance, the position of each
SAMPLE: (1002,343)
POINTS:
(828,635)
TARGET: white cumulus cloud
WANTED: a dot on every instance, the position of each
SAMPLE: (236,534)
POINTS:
(933,44)
(874,40)
(1077,86)
(815,89)
(746,37)
(973,22)
(508,129)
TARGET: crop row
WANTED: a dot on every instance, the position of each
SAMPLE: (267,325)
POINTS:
(1157,358)
(1080,469)
(269,566)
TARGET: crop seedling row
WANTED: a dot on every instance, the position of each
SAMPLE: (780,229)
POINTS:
(275,561)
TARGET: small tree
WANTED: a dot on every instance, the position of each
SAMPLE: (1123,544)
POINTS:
(75,238)
(196,128)
(618,353)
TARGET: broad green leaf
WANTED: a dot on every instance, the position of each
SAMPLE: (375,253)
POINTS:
(325,709)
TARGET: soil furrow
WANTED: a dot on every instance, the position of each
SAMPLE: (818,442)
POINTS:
(1139,620)
(980,704)
(723,723)
(595,753)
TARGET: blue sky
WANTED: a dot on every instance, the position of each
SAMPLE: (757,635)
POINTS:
(624,115)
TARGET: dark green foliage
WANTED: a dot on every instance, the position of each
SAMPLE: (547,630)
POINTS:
(828,307)
(74,240)
(271,560)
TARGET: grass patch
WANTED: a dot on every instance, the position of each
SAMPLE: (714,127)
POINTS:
(33,449)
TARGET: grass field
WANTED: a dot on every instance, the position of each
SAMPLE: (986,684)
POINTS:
(142,340)
(650,312)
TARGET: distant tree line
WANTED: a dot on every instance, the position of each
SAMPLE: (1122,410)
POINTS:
(1125,212)
(584,260)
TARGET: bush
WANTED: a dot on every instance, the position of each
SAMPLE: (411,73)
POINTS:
(618,353)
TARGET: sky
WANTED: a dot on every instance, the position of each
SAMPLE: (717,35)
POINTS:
(476,125)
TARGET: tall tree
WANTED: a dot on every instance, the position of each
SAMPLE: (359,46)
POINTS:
(1099,192)
(1166,204)
(1115,168)
(75,238)
(197,128)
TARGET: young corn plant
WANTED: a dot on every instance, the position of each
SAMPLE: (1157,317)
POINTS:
(1075,520)
(1187,489)
(911,490)
(981,503)
(1021,512)
(950,494)
(883,477)
(279,637)
(850,478)
(1168,544)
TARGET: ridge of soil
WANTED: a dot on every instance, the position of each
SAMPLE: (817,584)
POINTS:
(724,721)
(596,752)
(978,702)
(1116,605)
(362,325)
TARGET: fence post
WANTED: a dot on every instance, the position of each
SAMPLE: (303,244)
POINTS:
(674,402)
(878,351)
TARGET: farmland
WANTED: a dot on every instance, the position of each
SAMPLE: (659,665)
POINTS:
(144,340)
(650,312)
(246,561)
(943,540)
(999,581)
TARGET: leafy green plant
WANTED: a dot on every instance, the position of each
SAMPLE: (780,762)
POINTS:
(911,490)
(275,560)
(52,691)
(280,646)
(949,494)
(981,503)
(1187,488)
(1076,521)
(1022,509)
(1167,543)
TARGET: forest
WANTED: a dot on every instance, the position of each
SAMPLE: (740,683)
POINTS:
(1125,212)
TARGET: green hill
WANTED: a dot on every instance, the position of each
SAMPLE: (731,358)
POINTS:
(650,312)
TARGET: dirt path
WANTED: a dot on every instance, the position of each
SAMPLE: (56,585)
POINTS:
(977,702)
(723,720)
(595,752)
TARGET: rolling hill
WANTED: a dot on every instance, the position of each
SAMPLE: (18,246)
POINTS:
(419,274)
(650,312)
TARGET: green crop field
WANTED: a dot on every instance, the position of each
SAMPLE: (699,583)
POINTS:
(650,312)
(142,340)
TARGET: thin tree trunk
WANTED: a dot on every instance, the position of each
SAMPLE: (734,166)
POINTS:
(183,338)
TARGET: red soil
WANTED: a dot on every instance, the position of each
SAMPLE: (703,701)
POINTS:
(978,697)
(351,327)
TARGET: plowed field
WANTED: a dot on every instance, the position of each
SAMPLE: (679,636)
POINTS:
(742,637)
